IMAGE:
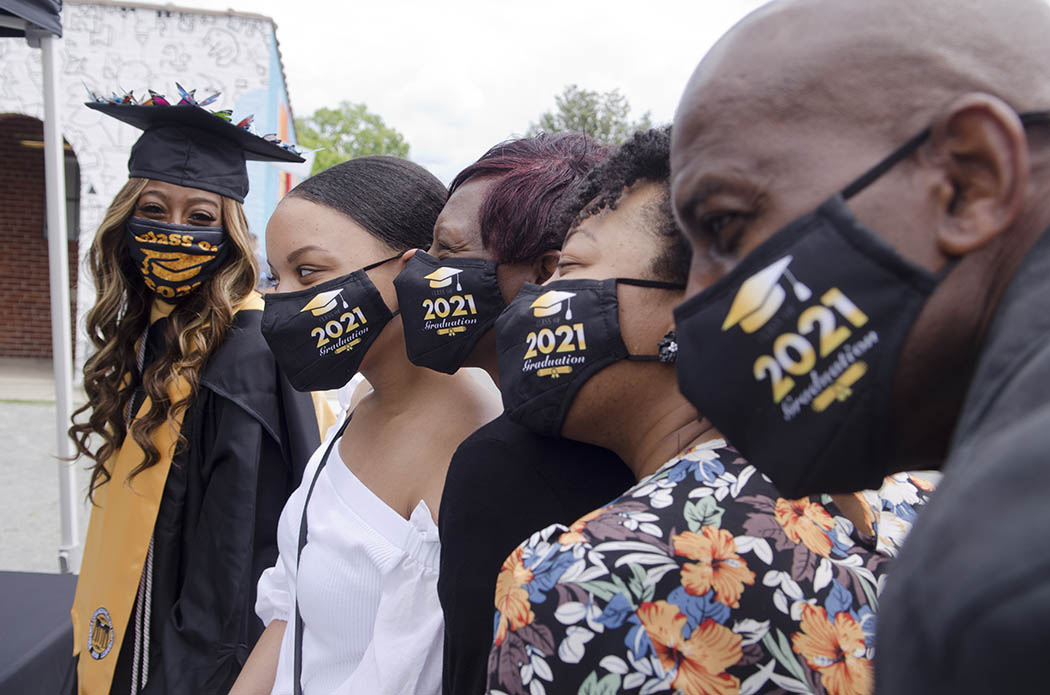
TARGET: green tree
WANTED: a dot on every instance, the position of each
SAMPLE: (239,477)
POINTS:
(350,130)
(603,116)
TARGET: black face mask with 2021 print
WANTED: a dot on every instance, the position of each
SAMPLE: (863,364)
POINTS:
(793,354)
(446,306)
(320,335)
(174,259)
(552,338)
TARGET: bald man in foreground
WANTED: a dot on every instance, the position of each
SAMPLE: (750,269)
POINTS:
(901,325)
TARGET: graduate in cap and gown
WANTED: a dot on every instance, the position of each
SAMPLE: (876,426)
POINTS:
(196,437)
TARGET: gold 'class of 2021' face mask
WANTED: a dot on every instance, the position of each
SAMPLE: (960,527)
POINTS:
(174,259)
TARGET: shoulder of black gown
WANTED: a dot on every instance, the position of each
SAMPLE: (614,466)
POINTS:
(244,372)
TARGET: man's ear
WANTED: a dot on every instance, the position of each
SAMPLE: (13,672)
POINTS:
(544,266)
(980,143)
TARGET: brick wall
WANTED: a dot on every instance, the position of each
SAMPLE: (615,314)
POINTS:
(25,303)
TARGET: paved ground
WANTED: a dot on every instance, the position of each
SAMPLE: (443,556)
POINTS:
(29,519)
(26,380)
(30,530)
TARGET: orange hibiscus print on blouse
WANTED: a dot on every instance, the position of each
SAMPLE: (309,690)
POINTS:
(512,599)
(836,650)
(575,532)
(702,659)
(920,483)
(717,565)
(806,522)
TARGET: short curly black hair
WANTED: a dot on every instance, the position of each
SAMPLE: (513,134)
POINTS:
(646,156)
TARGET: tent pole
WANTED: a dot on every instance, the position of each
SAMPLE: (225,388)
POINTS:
(61,338)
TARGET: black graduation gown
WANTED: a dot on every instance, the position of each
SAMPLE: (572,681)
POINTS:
(248,437)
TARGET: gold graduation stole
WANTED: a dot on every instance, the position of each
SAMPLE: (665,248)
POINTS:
(325,415)
(118,537)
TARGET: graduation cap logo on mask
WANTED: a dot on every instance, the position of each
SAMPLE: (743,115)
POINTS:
(187,145)
(324,302)
(761,296)
(442,277)
(549,304)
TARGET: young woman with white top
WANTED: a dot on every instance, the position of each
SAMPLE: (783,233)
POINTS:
(358,571)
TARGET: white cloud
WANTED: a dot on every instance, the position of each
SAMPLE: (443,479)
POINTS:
(458,77)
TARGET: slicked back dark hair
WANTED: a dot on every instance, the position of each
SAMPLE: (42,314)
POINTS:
(532,174)
(646,156)
(395,200)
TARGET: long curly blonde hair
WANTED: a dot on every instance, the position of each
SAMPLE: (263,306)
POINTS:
(196,328)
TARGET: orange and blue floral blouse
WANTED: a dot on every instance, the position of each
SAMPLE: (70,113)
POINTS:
(702,580)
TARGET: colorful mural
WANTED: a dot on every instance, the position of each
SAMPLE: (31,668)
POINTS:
(135,46)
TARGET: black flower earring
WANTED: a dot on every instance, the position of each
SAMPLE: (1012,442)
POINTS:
(668,353)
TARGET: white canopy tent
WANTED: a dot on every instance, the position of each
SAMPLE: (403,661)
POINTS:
(40,22)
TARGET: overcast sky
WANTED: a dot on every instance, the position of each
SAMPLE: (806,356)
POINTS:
(456,77)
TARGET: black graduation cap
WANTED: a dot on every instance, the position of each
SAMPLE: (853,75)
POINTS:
(188,145)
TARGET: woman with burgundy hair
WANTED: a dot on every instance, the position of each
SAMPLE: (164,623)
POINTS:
(504,482)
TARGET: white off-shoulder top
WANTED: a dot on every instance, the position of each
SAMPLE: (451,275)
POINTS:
(367,590)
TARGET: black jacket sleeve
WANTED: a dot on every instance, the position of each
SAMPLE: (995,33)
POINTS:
(1004,650)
